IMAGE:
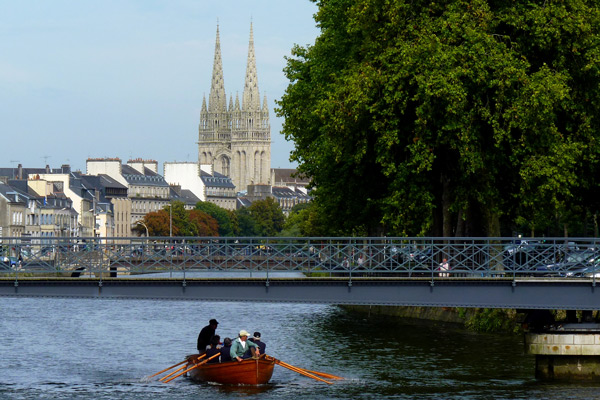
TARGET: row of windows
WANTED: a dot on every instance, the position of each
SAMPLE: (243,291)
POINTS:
(17,218)
(235,123)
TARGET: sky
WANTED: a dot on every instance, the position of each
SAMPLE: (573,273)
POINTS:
(125,78)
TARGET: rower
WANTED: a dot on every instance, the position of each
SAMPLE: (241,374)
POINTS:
(213,349)
(226,350)
(239,346)
(206,334)
(256,339)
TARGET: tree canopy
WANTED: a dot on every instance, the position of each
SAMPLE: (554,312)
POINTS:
(450,118)
(223,217)
(184,222)
(267,216)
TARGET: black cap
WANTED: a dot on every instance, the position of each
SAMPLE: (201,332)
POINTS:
(213,322)
(256,334)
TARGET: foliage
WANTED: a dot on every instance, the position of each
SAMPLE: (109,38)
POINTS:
(267,216)
(306,220)
(203,224)
(452,118)
(246,224)
(223,217)
(184,222)
(158,223)
(490,320)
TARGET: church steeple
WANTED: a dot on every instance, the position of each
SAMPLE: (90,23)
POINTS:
(217,99)
(251,96)
(235,137)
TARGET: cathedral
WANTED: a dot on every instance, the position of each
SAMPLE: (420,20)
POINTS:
(236,139)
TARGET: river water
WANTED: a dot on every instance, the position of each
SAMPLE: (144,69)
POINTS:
(104,349)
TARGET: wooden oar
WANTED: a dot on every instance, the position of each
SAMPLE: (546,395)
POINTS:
(172,373)
(191,368)
(322,374)
(300,371)
(166,369)
(173,366)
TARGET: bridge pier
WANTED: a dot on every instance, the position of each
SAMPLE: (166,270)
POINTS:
(570,352)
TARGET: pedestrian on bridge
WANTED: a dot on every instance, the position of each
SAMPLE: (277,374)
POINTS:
(444,268)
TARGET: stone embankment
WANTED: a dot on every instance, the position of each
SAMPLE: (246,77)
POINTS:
(476,319)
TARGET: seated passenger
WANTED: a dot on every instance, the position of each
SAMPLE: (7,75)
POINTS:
(240,345)
(225,350)
(213,349)
(256,339)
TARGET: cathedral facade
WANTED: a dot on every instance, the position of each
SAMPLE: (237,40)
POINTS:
(236,138)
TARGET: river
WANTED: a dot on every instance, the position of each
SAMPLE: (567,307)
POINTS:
(104,349)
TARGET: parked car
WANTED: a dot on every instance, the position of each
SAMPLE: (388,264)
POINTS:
(576,263)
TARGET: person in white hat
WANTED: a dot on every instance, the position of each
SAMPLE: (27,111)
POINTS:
(240,345)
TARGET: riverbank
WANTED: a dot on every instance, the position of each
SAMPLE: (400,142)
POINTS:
(487,320)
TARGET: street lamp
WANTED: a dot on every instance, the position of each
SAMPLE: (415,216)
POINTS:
(144,225)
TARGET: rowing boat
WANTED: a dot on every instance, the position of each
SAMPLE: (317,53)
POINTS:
(248,372)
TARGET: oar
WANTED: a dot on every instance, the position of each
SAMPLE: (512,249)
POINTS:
(300,371)
(191,368)
(172,373)
(323,374)
(166,369)
(179,369)
(173,366)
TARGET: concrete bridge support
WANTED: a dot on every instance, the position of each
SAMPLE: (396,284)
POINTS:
(568,353)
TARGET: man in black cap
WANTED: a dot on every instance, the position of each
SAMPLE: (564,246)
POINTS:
(206,334)
(258,342)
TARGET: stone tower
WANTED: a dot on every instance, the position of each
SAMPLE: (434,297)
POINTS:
(234,139)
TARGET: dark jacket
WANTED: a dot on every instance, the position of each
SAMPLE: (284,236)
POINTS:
(225,356)
(261,346)
(204,338)
(211,352)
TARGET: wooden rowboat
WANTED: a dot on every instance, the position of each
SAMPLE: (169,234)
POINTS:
(247,372)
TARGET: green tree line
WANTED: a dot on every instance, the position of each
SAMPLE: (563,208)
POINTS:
(455,118)
(261,218)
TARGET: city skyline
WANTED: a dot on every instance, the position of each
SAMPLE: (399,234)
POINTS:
(126,79)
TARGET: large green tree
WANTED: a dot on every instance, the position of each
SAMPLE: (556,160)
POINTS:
(267,216)
(223,217)
(449,118)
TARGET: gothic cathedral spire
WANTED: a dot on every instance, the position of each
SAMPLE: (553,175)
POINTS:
(251,97)
(217,99)
(236,141)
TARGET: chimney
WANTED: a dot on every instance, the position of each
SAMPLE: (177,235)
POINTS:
(20,171)
(65,168)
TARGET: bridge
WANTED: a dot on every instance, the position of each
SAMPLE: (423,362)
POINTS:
(524,273)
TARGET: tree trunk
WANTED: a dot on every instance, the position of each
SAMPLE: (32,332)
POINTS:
(460,224)
(446,214)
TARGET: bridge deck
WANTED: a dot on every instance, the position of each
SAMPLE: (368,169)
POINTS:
(527,293)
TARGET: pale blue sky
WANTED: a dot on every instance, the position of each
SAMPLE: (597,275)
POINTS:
(125,78)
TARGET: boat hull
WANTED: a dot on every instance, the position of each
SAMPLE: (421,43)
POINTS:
(246,372)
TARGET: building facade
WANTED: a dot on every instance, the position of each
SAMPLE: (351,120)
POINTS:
(236,139)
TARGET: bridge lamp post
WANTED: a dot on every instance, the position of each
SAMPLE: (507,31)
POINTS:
(141,222)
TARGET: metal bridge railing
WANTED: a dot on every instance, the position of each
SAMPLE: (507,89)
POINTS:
(310,257)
